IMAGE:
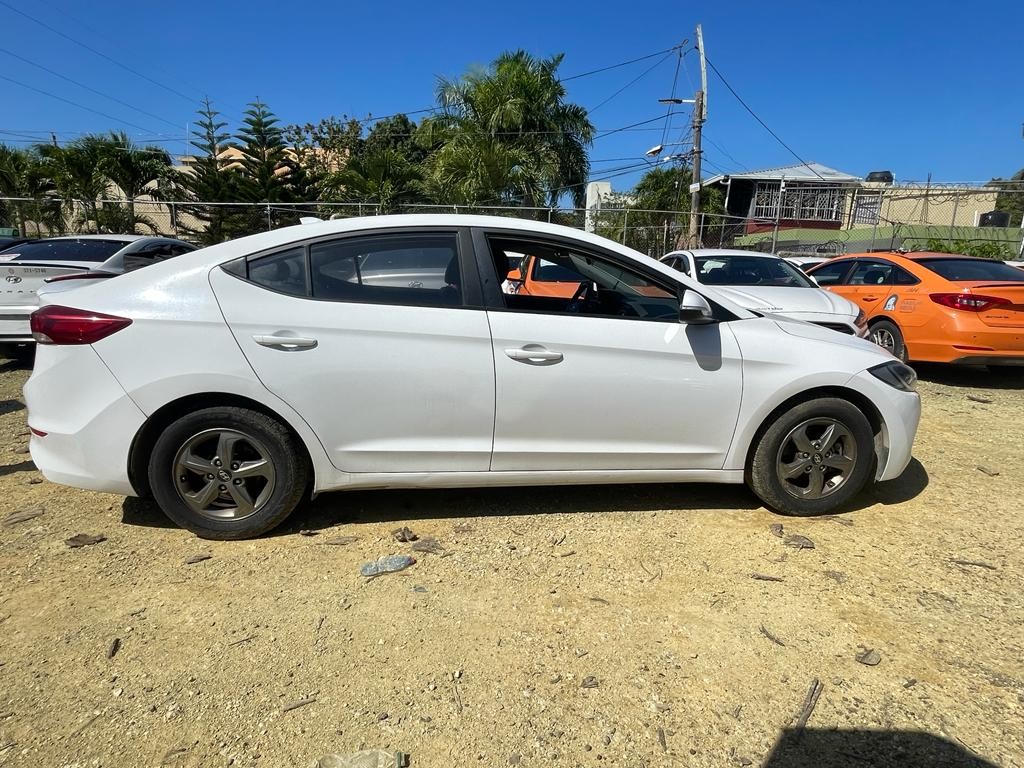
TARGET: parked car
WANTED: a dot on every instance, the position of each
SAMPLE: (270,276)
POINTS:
(767,283)
(235,381)
(804,263)
(935,307)
(29,265)
(1018,264)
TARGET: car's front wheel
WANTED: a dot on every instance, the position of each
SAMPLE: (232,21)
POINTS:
(813,458)
(227,473)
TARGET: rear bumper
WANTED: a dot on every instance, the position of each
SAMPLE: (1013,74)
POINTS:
(14,323)
(88,419)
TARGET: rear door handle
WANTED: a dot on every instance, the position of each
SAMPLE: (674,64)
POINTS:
(285,343)
(870,298)
(534,354)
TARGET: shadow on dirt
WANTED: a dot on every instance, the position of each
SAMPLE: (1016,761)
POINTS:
(21,466)
(869,749)
(10,406)
(390,506)
(971,377)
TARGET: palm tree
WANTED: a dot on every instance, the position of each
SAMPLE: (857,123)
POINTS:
(509,134)
(76,171)
(384,177)
(23,175)
(134,170)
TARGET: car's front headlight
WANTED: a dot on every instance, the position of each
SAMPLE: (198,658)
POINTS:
(896,374)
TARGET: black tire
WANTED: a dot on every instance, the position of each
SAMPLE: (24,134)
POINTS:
(764,473)
(888,335)
(251,434)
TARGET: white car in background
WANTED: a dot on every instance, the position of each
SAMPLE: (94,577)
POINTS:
(233,382)
(767,283)
(30,266)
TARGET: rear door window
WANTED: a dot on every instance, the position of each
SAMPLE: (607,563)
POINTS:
(871,273)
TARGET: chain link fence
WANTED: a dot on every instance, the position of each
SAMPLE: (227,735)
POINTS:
(903,217)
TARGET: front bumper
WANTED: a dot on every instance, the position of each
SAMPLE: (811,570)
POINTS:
(88,419)
(901,414)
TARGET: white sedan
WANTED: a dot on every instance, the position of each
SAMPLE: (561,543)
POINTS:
(233,382)
(764,282)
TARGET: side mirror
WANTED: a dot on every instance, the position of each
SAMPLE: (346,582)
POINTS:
(694,309)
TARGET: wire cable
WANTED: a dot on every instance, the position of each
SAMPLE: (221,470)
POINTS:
(759,120)
(88,88)
(98,53)
(623,64)
(631,82)
(68,101)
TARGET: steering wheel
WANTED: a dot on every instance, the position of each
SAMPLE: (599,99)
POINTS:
(581,298)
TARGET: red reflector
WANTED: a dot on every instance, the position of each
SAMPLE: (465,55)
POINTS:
(969,348)
(64,325)
(968,302)
(37,432)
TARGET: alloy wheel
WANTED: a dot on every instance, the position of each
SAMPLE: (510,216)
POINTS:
(224,474)
(884,338)
(816,458)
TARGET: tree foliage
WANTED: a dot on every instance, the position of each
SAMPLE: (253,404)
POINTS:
(1012,200)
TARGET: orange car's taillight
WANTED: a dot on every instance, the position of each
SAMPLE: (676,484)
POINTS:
(968,302)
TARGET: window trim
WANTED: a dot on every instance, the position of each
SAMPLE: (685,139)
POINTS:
(471,291)
(494,298)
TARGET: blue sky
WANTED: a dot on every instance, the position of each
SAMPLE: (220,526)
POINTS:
(913,87)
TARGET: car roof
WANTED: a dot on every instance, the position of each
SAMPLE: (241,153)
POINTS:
(704,252)
(910,255)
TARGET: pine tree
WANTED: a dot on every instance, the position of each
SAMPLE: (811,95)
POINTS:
(209,180)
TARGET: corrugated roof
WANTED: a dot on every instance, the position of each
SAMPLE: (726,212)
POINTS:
(808,172)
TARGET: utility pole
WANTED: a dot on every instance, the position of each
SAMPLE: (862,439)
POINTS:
(700,114)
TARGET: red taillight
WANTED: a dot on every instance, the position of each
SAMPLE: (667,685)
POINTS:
(63,325)
(968,302)
(36,432)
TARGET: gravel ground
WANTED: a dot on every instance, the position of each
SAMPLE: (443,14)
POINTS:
(603,626)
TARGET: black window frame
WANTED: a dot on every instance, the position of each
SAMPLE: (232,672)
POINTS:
(494,298)
(471,292)
(843,277)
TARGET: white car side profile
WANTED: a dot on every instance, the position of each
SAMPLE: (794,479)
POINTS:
(232,382)
(764,282)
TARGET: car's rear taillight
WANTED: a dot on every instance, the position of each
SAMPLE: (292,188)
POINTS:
(968,302)
(64,325)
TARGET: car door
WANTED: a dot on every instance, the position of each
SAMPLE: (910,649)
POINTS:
(870,284)
(377,340)
(621,386)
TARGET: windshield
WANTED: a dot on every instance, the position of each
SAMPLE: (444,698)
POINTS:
(726,269)
(66,250)
(974,269)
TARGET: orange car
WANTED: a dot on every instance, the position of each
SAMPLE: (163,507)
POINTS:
(537,276)
(935,307)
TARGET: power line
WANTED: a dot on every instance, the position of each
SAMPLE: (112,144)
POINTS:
(631,82)
(88,88)
(622,64)
(762,122)
(672,96)
(68,101)
(98,53)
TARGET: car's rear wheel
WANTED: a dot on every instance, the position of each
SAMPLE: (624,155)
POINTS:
(227,473)
(813,458)
(888,336)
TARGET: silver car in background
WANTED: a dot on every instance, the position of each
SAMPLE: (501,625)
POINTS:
(766,283)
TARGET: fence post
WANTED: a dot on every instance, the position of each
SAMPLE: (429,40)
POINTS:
(269,226)
(952,223)
(625,225)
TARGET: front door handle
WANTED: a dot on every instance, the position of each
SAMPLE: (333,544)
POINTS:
(285,343)
(534,354)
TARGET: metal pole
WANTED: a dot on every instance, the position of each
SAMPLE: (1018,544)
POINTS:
(778,213)
(698,121)
(625,225)
(269,226)
(952,224)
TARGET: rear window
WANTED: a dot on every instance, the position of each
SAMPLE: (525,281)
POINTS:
(67,250)
(973,269)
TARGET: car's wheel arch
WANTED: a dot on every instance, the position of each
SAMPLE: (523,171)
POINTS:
(852,396)
(159,420)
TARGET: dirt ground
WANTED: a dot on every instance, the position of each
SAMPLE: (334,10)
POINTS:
(598,626)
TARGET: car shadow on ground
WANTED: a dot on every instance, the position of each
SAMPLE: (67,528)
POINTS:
(393,506)
(973,377)
(869,749)
(21,466)
(10,406)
